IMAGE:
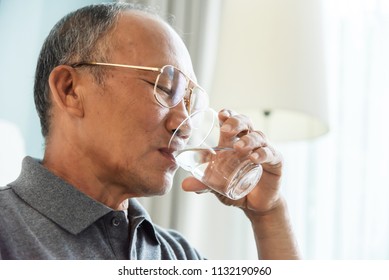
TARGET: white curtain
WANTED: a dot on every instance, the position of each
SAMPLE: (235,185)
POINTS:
(338,185)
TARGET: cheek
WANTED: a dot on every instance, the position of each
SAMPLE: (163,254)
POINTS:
(142,112)
(126,111)
(148,124)
(143,123)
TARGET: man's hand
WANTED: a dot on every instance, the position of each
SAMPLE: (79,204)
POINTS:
(265,196)
(264,205)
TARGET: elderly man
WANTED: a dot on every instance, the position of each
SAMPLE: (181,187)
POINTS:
(108,103)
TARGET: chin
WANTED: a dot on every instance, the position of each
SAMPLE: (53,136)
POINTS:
(158,189)
(165,187)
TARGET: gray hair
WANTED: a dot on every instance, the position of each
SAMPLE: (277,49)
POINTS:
(77,37)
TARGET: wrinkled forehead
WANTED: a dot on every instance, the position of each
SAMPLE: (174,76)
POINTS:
(144,39)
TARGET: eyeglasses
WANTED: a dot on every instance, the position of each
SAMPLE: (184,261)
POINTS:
(170,88)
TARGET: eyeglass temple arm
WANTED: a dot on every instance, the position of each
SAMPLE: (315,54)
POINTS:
(118,65)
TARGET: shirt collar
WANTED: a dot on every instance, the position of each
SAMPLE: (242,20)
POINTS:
(138,215)
(61,202)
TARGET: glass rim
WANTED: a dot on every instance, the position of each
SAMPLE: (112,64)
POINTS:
(187,136)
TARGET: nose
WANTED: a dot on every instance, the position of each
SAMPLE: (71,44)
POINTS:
(179,126)
(177,116)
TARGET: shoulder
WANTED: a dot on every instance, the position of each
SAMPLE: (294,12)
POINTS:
(11,208)
(4,188)
(6,194)
(10,202)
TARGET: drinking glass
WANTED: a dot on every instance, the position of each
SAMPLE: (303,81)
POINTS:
(196,148)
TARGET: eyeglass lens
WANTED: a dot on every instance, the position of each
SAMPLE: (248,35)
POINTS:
(171,88)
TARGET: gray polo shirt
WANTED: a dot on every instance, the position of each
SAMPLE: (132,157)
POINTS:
(44,217)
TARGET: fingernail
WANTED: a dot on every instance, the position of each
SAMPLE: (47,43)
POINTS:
(225,113)
(226,128)
(203,191)
(254,156)
(240,143)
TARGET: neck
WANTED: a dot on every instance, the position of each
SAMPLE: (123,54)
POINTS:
(69,162)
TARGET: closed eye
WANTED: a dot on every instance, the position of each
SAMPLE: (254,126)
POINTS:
(150,83)
(160,88)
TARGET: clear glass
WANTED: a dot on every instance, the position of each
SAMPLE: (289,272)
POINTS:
(195,146)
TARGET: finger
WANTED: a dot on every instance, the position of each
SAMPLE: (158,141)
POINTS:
(191,184)
(235,125)
(252,140)
(225,114)
(265,155)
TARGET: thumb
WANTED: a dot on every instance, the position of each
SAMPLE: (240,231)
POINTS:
(191,184)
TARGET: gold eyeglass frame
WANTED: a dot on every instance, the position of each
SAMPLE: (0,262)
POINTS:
(188,90)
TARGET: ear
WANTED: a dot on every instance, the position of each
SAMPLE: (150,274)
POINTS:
(63,86)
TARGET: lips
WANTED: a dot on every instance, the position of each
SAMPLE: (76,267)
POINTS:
(168,153)
(175,144)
